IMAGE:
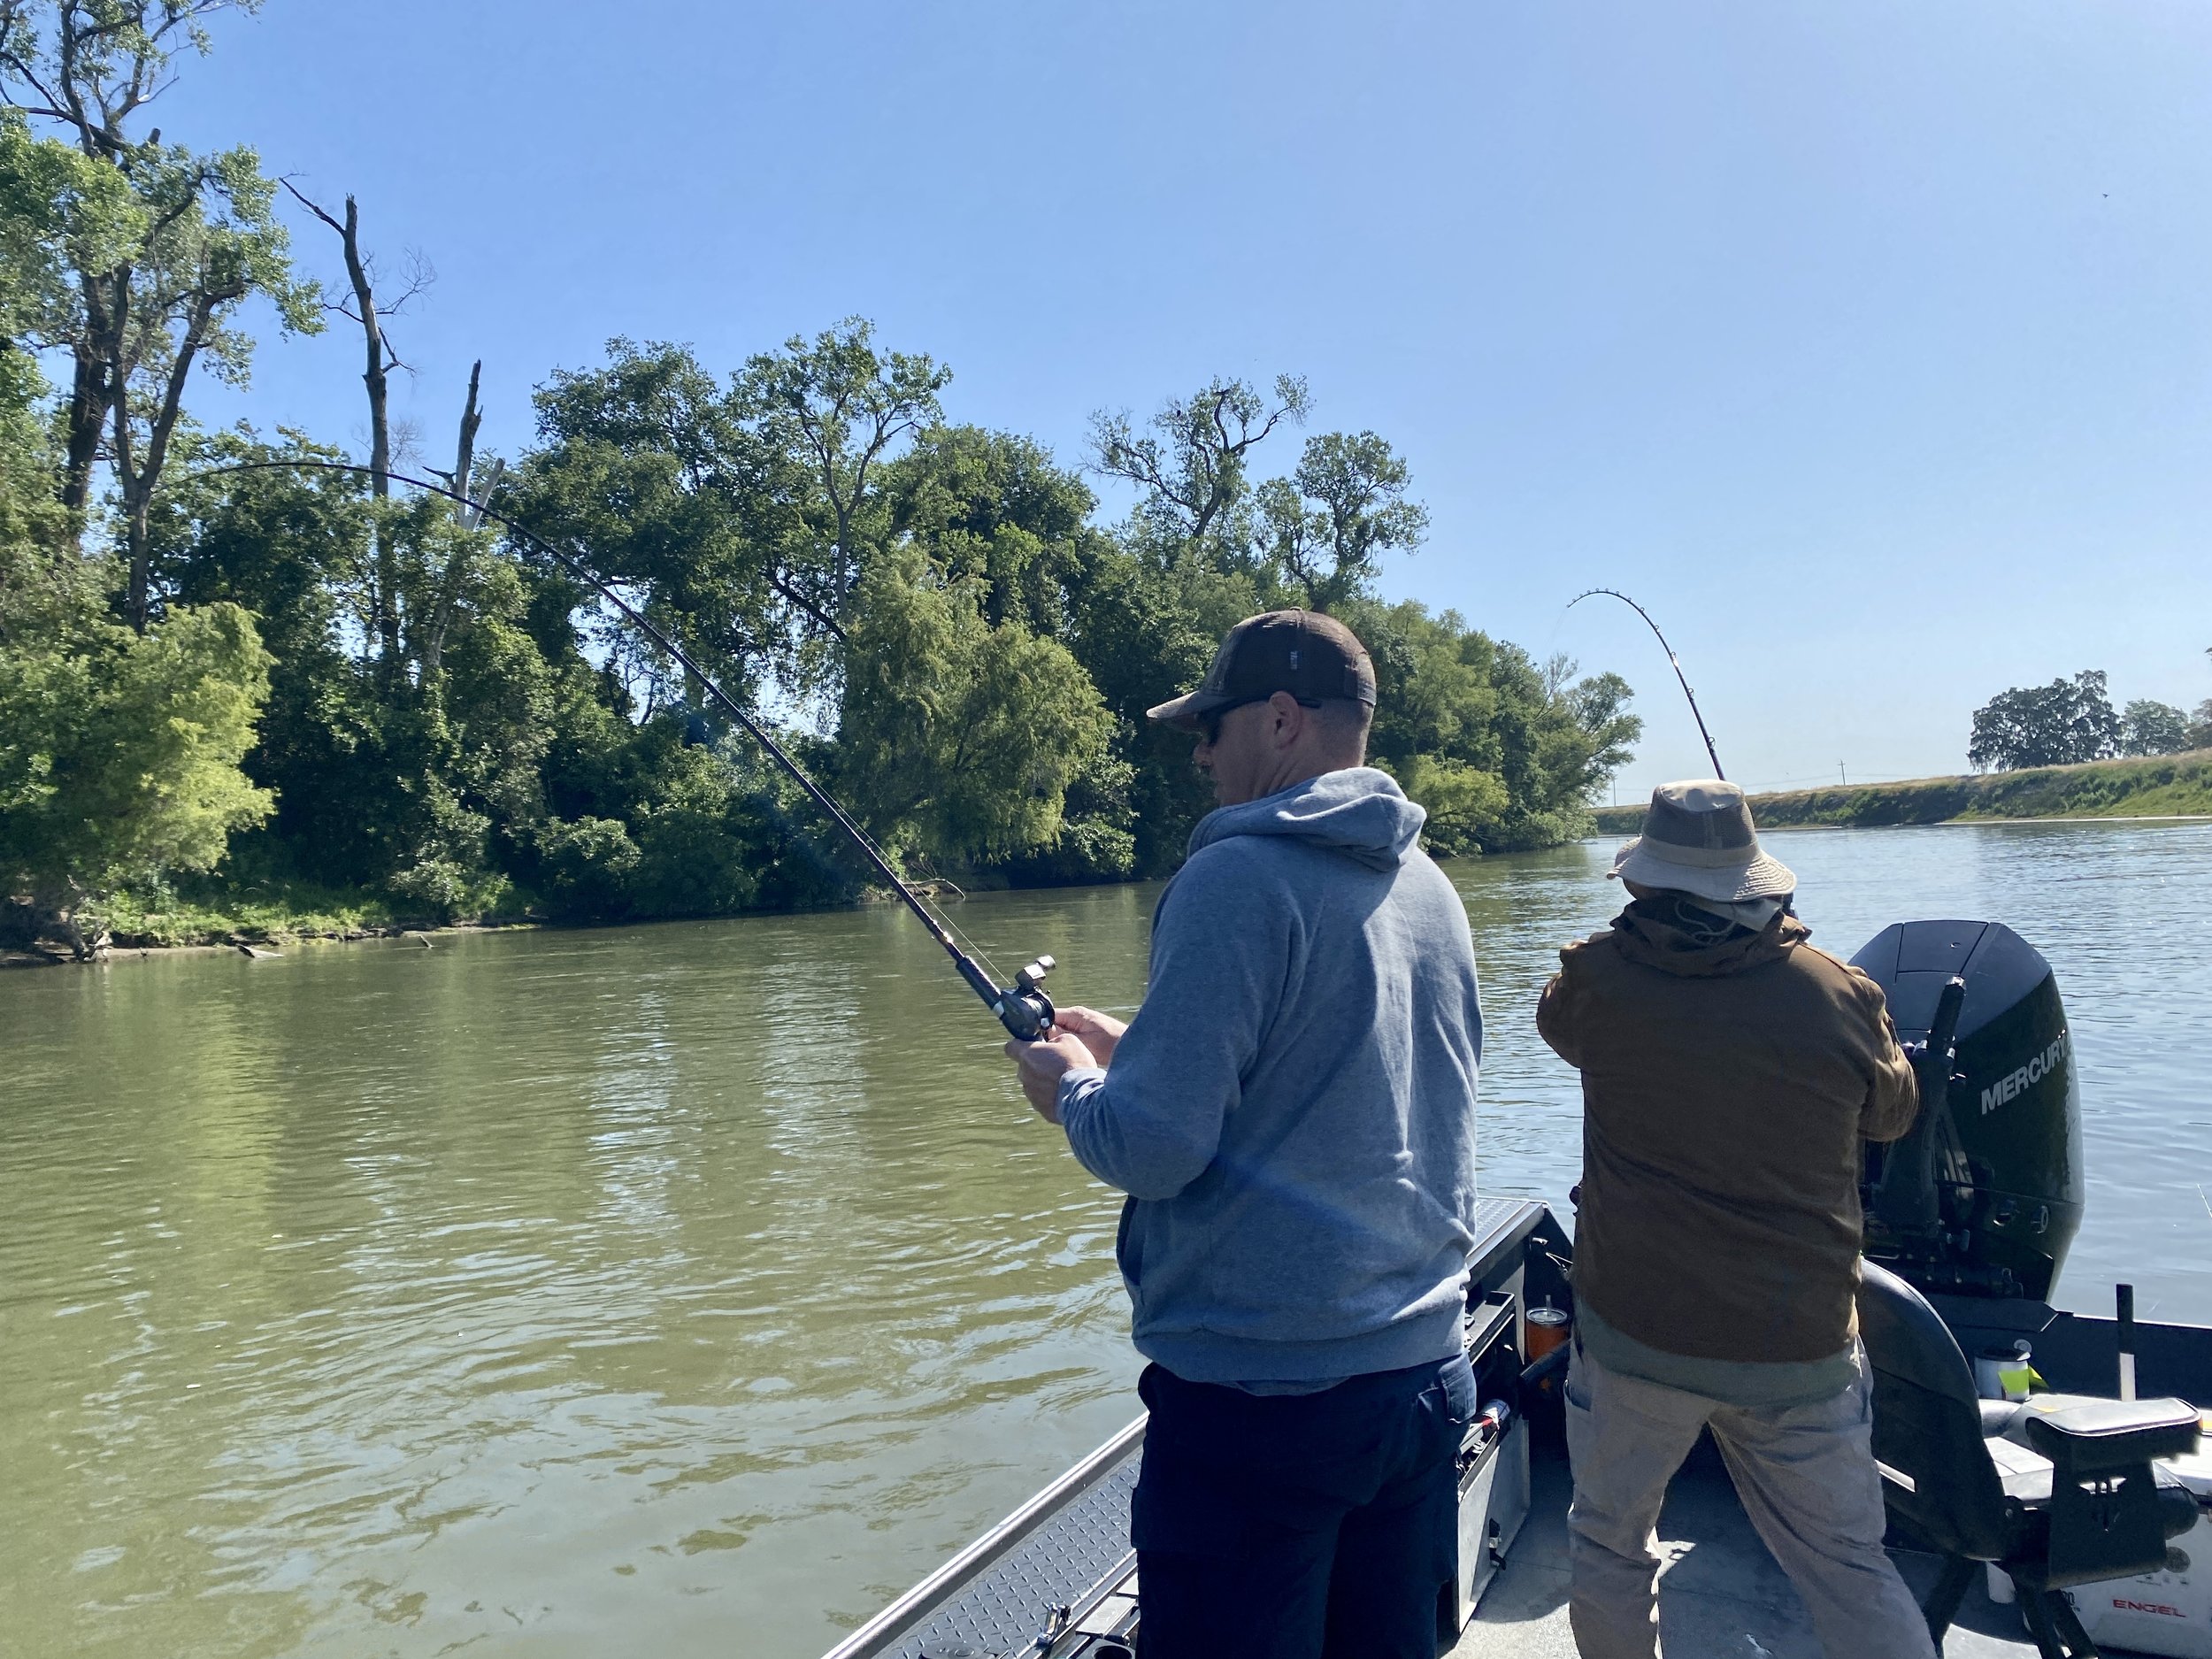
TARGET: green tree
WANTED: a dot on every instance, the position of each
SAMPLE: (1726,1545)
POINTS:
(1143,631)
(119,752)
(993,508)
(154,282)
(668,827)
(47,586)
(835,408)
(2150,727)
(60,211)
(746,512)
(646,466)
(959,740)
(1505,755)
(1332,551)
(292,549)
(2063,724)
(397,781)
(119,759)
(1194,466)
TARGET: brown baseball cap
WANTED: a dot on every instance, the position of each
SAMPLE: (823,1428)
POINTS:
(1310,655)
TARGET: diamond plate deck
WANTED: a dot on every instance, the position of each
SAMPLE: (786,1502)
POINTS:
(1059,1555)
(1002,1611)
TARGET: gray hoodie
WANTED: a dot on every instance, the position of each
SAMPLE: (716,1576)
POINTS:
(1292,1112)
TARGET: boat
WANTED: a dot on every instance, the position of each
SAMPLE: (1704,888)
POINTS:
(2041,1467)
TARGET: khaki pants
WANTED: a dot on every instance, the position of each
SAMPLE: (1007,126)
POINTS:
(1807,1478)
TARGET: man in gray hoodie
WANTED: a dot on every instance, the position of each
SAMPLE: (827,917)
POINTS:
(1292,1115)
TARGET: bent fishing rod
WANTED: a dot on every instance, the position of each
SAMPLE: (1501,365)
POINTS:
(1023,1008)
(1673,662)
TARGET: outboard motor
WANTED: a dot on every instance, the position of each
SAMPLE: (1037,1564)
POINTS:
(1984,1195)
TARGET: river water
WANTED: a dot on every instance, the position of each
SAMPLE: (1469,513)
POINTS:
(704,1285)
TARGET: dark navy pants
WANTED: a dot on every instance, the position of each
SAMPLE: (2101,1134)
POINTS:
(1299,1527)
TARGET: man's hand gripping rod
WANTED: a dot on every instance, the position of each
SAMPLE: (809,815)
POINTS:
(1022,1007)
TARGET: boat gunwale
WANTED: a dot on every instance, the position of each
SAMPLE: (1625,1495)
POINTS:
(897,1621)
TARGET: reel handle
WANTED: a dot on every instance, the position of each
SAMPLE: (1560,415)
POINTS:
(1023,1008)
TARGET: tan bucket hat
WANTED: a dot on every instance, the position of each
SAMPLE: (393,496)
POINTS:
(1699,838)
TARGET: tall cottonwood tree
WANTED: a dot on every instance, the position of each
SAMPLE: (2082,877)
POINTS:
(645,465)
(1193,465)
(749,511)
(836,408)
(155,289)
(1331,521)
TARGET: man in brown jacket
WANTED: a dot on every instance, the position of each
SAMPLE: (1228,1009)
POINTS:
(1729,1072)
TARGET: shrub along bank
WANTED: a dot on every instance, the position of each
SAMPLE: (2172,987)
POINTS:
(257,685)
(2161,786)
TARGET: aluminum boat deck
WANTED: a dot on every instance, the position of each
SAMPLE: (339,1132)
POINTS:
(1062,1563)
(1721,1596)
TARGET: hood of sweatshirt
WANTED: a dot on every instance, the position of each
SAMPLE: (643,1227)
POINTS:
(1360,812)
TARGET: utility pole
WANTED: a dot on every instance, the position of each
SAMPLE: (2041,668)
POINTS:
(1843,774)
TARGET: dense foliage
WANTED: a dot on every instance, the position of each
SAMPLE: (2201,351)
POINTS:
(212,652)
(2070,721)
(119,749)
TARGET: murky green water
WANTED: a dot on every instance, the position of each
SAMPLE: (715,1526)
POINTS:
(703,1286)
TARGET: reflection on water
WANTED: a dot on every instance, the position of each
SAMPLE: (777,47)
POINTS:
(704,1285)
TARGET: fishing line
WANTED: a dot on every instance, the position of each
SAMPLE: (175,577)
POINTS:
(1673,661)
(1022,1007)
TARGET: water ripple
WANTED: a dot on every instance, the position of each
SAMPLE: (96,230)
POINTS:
(713,1279)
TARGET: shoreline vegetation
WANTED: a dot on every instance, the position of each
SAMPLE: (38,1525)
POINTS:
(216,916)
(2151,786)
(255,685)
(213,914)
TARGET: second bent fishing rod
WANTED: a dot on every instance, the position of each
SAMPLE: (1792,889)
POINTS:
(1023,1008)
(1673,662)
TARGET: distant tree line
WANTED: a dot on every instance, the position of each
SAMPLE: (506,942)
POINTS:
(2070,721)
(310,679)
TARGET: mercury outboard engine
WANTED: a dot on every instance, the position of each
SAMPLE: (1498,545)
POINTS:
(1984,1195)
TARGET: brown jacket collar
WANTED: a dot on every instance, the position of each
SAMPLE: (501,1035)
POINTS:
(1658,933)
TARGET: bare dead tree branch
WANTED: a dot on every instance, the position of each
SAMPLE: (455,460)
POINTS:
(379,359)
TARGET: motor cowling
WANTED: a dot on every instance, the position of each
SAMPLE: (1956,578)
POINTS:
(2002,1143)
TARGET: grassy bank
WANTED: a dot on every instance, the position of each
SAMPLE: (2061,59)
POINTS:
(217,909)
(213,912)
(2163,785)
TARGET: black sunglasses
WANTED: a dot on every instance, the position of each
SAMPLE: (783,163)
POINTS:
(1210,722)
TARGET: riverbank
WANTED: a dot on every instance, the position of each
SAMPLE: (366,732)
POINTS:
(2157,786)
(214,915)
(213,912)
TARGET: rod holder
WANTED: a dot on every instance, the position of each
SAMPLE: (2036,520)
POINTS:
(2123,1337)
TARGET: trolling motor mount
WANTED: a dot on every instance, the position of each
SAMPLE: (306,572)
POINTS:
(1023,1008)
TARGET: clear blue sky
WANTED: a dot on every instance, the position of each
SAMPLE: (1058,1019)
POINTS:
(1867,345)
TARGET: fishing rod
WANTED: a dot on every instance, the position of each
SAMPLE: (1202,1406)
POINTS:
(1673,661)
(1023,1008)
